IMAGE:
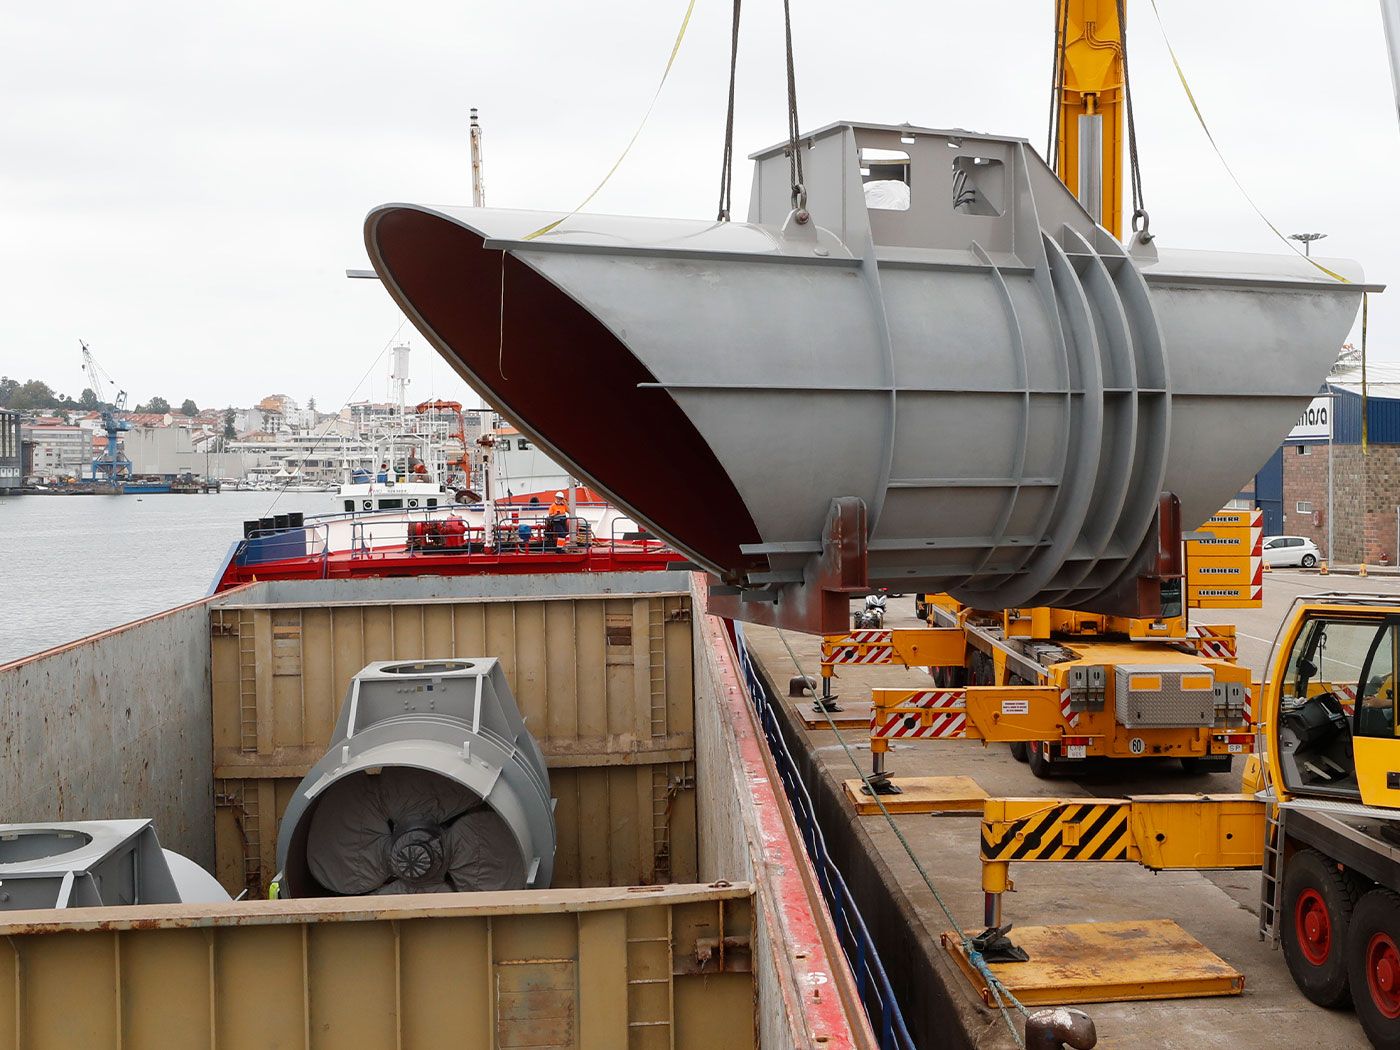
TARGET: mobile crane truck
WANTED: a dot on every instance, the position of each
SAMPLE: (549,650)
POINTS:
(1062,686)
(1323,825)
(1330,887)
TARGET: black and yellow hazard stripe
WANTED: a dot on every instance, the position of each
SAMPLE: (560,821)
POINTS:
(1070,831)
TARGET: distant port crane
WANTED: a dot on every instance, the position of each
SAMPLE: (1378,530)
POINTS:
(111,462)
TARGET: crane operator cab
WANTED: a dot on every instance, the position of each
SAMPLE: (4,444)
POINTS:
(1336,722)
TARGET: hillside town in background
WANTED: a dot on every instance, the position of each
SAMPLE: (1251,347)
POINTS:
(49,439)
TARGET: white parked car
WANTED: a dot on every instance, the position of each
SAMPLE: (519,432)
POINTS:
(1290,550)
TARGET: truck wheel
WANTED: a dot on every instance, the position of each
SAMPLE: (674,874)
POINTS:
(1373,966)
(1317,911)
(1206,764)
(1038,758)
(1019,751)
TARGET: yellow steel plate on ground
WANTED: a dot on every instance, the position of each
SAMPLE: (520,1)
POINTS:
(1105,962)
(921,795)
(855,715)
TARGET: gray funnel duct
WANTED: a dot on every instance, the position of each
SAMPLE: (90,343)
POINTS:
(1004,387)
(431,785)
(96,863)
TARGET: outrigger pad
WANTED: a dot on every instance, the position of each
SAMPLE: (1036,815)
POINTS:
(1104,962)
(995,946)
(953,794)
(880,784)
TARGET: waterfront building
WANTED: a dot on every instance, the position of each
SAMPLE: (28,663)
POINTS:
(11,453)
(1323,484)
(58,450)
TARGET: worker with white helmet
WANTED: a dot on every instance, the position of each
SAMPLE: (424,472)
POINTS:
(556,524)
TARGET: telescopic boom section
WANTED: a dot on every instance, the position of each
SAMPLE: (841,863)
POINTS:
(1089,134)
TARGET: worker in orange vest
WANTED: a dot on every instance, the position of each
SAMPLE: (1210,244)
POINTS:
(556,523)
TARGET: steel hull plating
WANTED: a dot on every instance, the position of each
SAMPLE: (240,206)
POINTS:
(1005,387)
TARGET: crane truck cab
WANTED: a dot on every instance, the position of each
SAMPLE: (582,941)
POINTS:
(1333,722)
(1330,890)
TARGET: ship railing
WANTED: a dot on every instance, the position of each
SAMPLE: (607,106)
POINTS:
(283,540)
(364,536)
(872,980)
(635,535)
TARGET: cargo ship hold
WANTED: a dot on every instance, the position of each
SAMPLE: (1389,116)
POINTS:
(683,909)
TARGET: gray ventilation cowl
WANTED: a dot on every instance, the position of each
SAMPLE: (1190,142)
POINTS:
(431,784)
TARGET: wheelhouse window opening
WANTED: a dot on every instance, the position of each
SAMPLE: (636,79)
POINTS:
(1326,674)
(885,173)
(979,186)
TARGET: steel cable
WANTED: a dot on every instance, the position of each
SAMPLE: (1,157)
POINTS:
(999,991)
(726,182)
(1135,169)
(1057,86)
(799,190)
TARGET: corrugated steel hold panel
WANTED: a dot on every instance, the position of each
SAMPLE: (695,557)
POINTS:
(605,684)
(663,968)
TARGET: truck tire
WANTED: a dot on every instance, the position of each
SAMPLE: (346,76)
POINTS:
(1038,758)
(1316,915)
(1373,966)
(1020,751)
(1206,764)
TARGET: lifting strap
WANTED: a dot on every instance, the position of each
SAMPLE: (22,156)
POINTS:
(671,61)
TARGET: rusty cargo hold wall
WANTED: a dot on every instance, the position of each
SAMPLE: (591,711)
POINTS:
(663,968)
(605,684)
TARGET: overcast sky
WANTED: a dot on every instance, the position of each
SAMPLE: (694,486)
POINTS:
(183,184)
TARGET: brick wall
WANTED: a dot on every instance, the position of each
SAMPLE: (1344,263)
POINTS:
(1365,495)
(1305,479)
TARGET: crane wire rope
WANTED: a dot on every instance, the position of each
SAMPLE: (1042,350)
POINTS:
(1005,1000)
(1057,87)
(799,190)
(726,179)
(1135,169)
(1200,119)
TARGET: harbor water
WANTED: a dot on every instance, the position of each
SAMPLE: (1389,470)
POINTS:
(71,566)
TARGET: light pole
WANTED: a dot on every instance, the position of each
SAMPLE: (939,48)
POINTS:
(1331,404)
(1307,239)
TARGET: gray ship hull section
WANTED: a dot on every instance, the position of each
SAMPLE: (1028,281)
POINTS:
(1008,393)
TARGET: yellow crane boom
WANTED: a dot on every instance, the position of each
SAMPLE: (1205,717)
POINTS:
(1089,99)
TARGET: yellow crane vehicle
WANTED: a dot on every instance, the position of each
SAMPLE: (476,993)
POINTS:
(1330,890)
(1064,686)
(1323,825)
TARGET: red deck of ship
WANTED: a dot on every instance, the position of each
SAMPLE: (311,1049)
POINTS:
(400,561)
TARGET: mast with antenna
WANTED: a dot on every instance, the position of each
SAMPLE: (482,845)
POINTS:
(478,183)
